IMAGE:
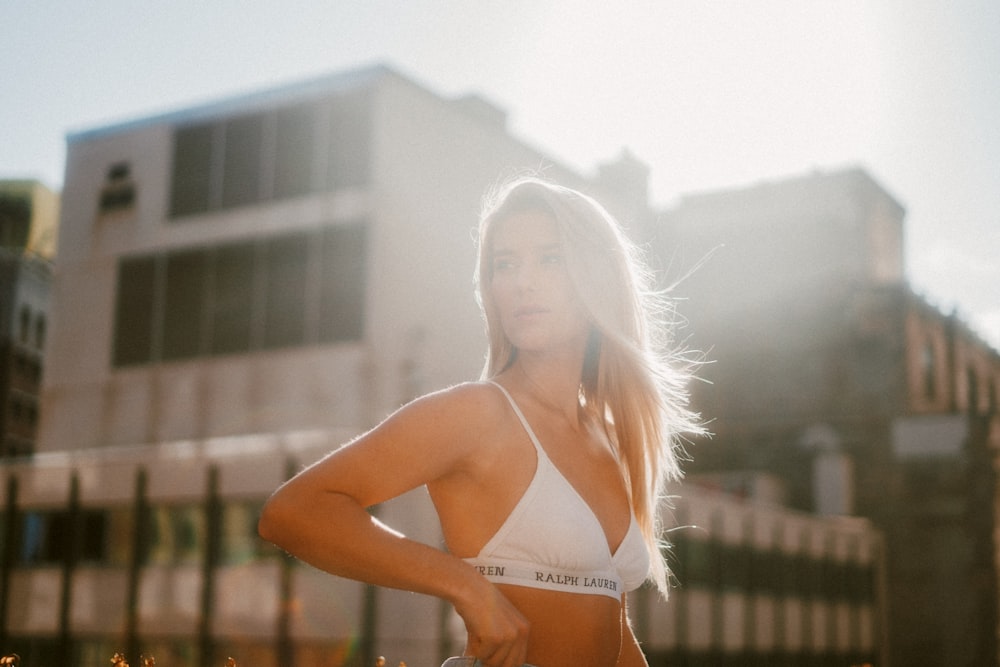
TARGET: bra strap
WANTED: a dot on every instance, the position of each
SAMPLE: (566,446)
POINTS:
(520,416)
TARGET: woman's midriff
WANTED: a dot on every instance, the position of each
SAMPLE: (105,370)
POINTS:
(569,629)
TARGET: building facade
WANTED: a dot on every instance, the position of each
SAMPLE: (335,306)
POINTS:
(29,214)
(831,376)
(153,550)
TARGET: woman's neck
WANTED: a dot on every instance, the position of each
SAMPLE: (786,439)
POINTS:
(554,383)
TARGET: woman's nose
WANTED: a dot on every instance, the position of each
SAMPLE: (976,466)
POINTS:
(527,276)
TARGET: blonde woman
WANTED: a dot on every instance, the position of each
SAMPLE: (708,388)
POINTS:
(546,473)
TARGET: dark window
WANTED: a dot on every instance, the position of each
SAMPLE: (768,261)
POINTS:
(184,304)
(15,219)
(765,571)
(95,536)
(242,163)
(295,151)
(350,142)
(285,290)
(697,562)
(176,534)
(342,287)
(25,325)
(192,170)
(859,583)
(40,331)
(118,192)
(134,311)
(972,391)
(928,369)
(316,146)
(38,539)
(242,296)
(734,566)
(46,537)
(232,304)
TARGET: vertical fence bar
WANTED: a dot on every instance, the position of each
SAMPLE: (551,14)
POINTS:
(284,648)
(716,544)
(137,557)
(7,558)
(369,626)
(213,538)
(71,545)
(751,586)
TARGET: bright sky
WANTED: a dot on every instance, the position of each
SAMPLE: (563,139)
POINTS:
(710,94)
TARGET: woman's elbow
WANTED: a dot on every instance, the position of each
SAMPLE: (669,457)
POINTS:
(274,518)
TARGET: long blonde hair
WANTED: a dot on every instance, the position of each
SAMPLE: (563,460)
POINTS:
(633,382)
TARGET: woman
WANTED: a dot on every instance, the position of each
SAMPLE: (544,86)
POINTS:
(545,474)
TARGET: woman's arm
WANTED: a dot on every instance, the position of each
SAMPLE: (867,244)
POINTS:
(320,515)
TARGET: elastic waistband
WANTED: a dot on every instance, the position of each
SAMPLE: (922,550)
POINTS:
(516,573)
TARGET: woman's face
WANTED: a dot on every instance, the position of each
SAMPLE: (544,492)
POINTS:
(531,287)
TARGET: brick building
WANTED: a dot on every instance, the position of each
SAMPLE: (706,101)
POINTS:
(848,392)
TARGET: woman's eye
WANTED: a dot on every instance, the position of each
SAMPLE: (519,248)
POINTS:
(553,258)
(502,264)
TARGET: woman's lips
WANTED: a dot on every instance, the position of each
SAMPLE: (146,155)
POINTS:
(529,311)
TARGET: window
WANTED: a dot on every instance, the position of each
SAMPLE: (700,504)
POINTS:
(928,371)
(119,532)
(294,153)
(696,562)
(295,150)
(342,286)
(40,331)
(133,342)
(285,288)
(859,582)
(972,391)
(177,535)
(192,170)
(37,543)
(45,536)
(118,193)
(24,325)
(232,311)
(15,219)
(241,166)
(241,297)
(184,304)
(349,143)
(734,566)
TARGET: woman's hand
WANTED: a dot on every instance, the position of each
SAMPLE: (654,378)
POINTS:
(498,632)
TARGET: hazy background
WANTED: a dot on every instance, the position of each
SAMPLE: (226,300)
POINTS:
(709,94)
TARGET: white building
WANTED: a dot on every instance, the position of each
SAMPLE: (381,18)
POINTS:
(276,249)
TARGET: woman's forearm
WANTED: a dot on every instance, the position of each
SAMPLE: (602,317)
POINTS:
(332,532)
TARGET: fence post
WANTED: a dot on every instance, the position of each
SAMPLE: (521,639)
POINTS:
(213,539)
(71,544)
(285,649)
(7,558)
(137,558)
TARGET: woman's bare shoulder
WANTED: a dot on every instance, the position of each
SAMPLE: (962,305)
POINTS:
(476,404)
(458,425)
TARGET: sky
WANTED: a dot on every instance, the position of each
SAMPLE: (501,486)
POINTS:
(710,94)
